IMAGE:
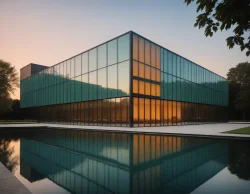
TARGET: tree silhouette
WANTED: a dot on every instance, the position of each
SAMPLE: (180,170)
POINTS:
(239,159)
(6,154)
(225,15)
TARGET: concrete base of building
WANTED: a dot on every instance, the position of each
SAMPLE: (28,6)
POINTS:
(9,183)
(205,130)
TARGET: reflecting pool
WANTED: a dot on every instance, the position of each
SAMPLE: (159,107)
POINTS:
(71,161)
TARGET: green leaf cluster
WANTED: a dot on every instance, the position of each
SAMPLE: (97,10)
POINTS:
(225,14)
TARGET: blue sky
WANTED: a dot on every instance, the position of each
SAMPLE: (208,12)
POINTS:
(47,32)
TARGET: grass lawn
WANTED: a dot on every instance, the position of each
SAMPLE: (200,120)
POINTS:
(244,130)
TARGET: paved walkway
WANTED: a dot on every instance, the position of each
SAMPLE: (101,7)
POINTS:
(214,130)
(9,184)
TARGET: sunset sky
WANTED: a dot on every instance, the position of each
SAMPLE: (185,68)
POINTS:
(49,31)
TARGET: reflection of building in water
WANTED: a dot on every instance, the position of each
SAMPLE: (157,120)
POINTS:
(98,162)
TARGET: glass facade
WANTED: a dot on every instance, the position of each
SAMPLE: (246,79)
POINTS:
(128,81)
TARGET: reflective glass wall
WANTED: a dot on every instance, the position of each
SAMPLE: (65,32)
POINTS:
(127,81)
(171,90)
(75,90)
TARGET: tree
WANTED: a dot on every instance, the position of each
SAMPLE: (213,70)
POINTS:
(239,88)
(8,78)
(242,102)
(225,14)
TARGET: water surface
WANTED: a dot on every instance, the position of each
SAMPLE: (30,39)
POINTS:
(70,161)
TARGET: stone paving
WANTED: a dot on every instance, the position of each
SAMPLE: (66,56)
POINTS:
(9,184)
(211,130)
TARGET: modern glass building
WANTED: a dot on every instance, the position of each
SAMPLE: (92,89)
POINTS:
(127,81)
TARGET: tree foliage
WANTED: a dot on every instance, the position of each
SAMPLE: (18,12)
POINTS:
(224,15)
(8,78)
(239,80)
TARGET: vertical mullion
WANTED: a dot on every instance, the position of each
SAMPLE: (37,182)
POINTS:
(131,111)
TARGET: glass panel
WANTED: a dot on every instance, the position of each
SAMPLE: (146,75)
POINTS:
(153,55)
(102,56)
(141,111)
(147,88)
(147,72)
(78,89)
(153,74)
(141,70)
(135,86)
(102,83)
(158,57)
(170,113)
(123,48)
(135,68)
(124,110)
(147,52)
(85,87)
(112,52)
(92,59)
(152,112)
(158,90)
(141,87)
(153,90)
(158,111)
(93,85)
(147,112)
(72,68)
(85,67)
(68,70)
(78,65)
(158,75)
(141,49)
(135,47)
(112,81)
(123,78)
(135,109)
(174,113)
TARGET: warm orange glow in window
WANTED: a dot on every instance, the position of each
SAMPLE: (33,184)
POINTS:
(141,70)
(170,112)
(165,112)
(158,111)
(135,86)
(178,112)
(147,53)
(135,47)
(147,88)
(153,55)
(158,90)
(141,148)
(141,87)
(135,149)
(141,50)
(152,112)
(135,109)
(147,72)
(158,75)
(141,112)
(158,57)
(135,68)
(153,74)
(174,113)
(147,111)
(153,90)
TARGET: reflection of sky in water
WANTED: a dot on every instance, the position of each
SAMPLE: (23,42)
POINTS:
(224,182)
(38,187)
(127,162)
